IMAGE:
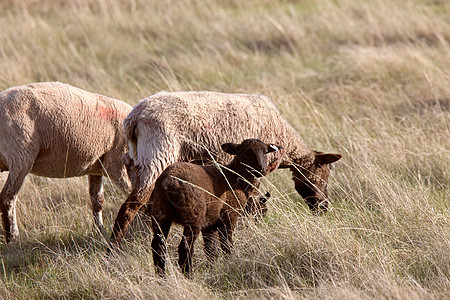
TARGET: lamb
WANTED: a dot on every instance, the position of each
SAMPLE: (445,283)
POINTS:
(56,130)
(185,126)
(205,199)
(257,204)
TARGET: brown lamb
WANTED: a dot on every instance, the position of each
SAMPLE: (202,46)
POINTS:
(206,199)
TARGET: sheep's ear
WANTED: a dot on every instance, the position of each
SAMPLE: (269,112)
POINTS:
(231,148)
(327,158)
(274,148)
(265,198)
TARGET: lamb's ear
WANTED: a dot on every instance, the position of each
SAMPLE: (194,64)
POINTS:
(274,148)
(231,148)
(265,198)
(327,158)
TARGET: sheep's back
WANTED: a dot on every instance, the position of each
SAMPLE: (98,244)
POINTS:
(69,127)
(205,120)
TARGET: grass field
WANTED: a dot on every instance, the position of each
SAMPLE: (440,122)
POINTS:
(368,79)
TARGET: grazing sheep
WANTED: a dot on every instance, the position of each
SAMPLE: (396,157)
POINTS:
(205,198)
(56,130)
(184,126)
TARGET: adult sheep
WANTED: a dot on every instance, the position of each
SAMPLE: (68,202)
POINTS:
(184,126)
(56,130)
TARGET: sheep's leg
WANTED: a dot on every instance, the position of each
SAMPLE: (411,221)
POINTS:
(123,178)
(127,213)
(225,229)
(139,196)
(97,199)
(8,200)
(160,232)
(210,241)
(186,248)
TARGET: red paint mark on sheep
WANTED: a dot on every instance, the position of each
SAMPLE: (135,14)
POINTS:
(104,112)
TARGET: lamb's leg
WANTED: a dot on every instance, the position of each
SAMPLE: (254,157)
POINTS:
(210,241)
(8,200)
(160,231)
(97,199)
(186,248)
(225,229)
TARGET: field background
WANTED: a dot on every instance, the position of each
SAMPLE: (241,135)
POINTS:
(368,79)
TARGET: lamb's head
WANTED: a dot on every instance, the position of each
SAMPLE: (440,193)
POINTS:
(311,181)
(257,206)
(251,156)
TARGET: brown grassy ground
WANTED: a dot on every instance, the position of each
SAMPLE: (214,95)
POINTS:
(369,79)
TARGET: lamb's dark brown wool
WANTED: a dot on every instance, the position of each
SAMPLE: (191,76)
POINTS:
(257,205)
(206,199)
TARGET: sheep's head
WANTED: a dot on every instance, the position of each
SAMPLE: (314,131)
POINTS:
(251,156)
(257,206)
(311,182)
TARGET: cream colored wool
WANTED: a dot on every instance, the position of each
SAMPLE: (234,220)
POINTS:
(56,130)
(170,127)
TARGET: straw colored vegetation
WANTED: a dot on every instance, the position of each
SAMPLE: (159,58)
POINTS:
(368,79)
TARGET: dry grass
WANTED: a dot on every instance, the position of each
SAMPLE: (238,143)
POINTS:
(369,79)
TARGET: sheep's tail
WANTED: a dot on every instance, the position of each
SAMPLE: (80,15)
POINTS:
(130,124)
(171,190)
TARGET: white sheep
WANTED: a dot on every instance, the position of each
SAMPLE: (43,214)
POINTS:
(56,130)
(185,126)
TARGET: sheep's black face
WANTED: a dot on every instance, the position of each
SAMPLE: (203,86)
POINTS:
(312,186)
(311,183)
(254,159)
(257,206)
(252,155)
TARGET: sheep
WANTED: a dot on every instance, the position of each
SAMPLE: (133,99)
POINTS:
(257,205)
(56,130)
(205,199)
(183,126)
